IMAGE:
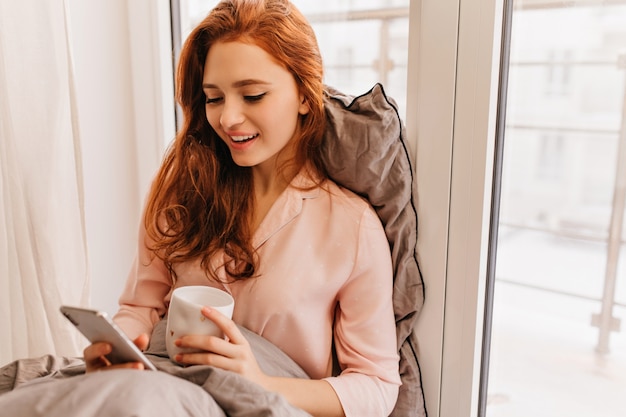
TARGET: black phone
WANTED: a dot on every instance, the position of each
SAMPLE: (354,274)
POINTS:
(96,326)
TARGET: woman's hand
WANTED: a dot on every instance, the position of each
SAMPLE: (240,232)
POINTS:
(95,359)
(233,354)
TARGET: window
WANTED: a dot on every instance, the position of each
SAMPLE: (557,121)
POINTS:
(362,42)
(560,282)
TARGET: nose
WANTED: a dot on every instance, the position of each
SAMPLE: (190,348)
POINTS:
(232,114)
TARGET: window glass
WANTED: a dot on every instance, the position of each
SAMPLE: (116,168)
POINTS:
(560,289)
(362,43)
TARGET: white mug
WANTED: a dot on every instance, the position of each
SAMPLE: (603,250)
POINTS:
(184,316)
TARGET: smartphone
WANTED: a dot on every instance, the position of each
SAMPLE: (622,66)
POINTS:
(96,326)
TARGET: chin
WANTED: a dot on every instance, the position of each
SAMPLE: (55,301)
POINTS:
(244,163)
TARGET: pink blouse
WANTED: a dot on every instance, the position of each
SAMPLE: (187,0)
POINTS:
(325,270)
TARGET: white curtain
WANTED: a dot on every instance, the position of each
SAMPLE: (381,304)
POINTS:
(43,257)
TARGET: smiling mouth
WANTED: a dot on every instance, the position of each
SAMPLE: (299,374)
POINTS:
(243,139)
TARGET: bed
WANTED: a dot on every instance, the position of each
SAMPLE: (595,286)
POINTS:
(366,151)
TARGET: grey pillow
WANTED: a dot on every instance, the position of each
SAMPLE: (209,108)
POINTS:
(365,150)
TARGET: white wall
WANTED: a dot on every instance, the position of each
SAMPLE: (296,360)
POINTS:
(120,115)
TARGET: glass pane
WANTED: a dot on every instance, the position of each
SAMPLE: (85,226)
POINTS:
(362,42)
(560,281)
(192,12)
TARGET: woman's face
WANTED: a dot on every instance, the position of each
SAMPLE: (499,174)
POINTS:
(252,102)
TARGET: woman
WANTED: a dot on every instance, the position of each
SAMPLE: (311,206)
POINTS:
(242,202)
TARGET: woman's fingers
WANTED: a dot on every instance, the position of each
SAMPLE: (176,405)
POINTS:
(128,365)
(94,356)
(232,353)
(96,360)
(226,325)
(207,344)
(233,346)
(208,358)
(96,350)
(214,351)
(210,350)
(142,341)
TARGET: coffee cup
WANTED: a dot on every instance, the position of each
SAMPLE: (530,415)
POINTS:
(184,316)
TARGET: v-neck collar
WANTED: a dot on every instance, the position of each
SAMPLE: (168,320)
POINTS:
(287,207)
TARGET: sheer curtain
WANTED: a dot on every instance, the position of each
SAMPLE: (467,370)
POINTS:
(43,257)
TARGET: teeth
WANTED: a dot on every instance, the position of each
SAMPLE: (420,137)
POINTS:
(242,138)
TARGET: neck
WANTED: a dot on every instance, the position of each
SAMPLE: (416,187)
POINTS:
(268,180)
(267,189)
(273,176)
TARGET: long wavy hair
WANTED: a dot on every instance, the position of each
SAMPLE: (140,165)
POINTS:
(201,202)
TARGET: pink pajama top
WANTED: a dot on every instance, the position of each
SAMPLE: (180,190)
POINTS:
(325,271)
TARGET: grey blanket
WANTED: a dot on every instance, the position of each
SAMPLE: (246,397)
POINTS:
(54,386)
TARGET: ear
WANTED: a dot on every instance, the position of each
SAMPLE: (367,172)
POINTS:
(304,106)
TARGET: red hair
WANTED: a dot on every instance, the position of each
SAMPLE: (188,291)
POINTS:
(201,201)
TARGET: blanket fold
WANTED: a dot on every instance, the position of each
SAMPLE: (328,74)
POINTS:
(58,386)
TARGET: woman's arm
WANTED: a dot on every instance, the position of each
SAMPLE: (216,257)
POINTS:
(317,397)
(142,301)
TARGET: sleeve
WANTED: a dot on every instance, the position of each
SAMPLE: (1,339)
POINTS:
(142,303)
(365,332)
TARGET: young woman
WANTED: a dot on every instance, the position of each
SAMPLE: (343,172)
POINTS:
(242,202)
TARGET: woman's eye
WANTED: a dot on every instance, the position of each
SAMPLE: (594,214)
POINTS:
(254,98)
(211,100)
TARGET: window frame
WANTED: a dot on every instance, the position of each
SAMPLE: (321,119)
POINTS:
(454,71)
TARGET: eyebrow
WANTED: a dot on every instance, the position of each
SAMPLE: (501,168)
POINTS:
(238,84)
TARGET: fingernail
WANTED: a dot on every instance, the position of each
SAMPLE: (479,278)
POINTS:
(178,358)
(206,310)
